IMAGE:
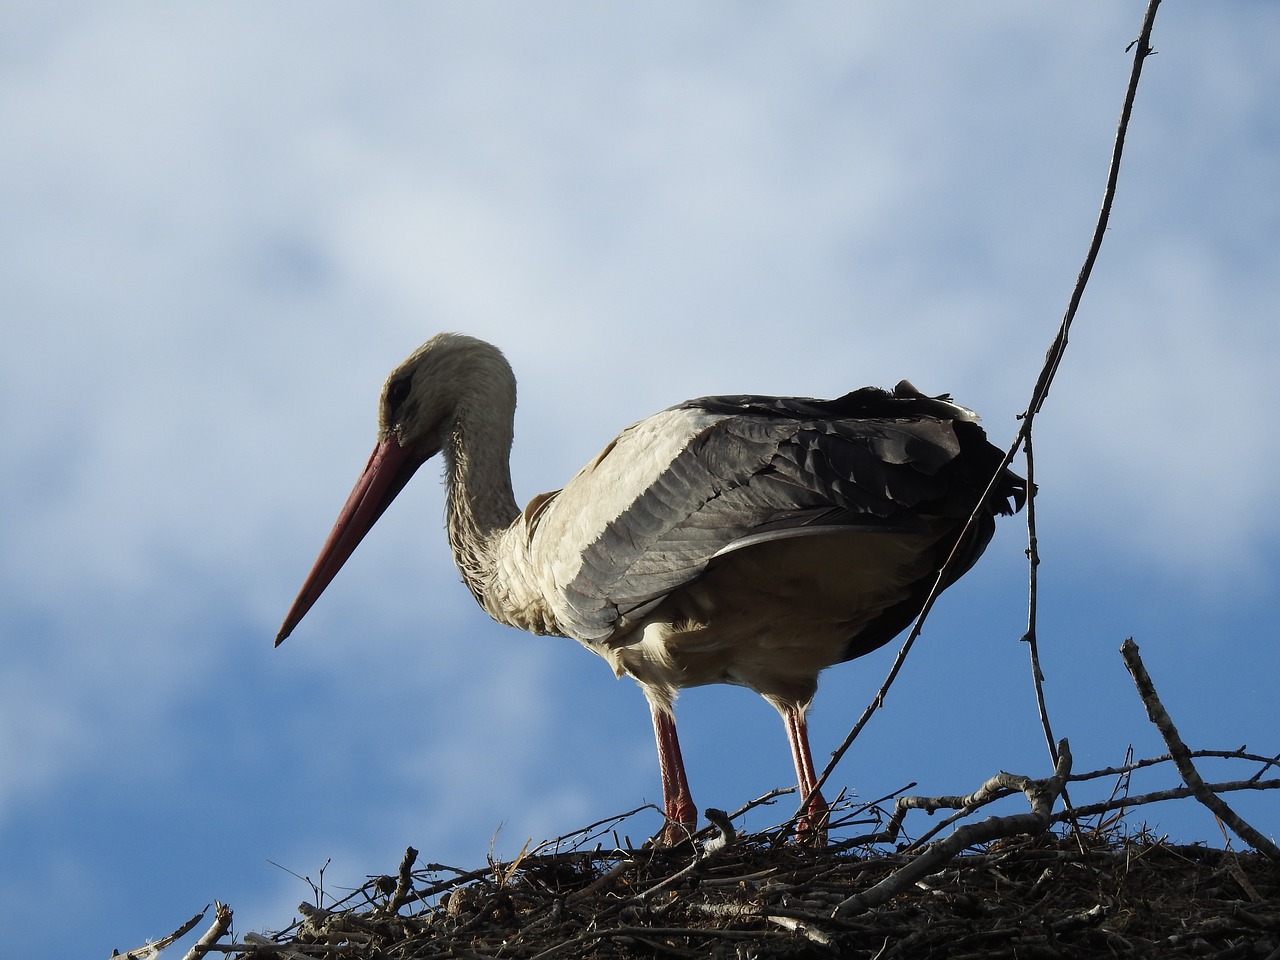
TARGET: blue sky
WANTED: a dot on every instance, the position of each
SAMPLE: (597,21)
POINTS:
(224,223)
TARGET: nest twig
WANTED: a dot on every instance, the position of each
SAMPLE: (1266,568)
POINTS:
(1026,893)
(1042,883)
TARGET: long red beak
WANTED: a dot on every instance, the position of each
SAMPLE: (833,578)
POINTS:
(388,470)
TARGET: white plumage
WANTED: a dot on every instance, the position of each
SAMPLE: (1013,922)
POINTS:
(747,540)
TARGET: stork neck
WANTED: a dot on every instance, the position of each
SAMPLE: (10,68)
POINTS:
(481,503)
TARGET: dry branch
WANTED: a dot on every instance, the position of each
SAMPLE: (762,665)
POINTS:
(151,949)
(404,881)
(1143,49)
(1157,714)
(217,930)
(1040,795)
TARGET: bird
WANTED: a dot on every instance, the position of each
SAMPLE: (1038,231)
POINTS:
(749,540)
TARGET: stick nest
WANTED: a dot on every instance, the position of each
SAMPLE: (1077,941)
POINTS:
(1042,896)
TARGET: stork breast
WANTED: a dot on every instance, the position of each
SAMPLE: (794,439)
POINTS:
(773,613)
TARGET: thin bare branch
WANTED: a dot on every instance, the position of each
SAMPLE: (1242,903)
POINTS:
(1142,48)
(1182,756)
(152,949)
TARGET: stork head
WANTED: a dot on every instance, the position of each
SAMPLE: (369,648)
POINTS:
(420,409)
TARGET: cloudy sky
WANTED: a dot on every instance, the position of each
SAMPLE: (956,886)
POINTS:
(224,223)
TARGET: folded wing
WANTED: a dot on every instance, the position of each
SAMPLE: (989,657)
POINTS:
(711,477)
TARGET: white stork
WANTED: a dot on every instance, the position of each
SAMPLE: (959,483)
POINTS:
(743,539)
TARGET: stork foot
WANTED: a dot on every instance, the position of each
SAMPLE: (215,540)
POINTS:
(811,828)
(681,823)
(676,833)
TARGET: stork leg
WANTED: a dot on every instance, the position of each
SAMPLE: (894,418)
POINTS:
(812,824)
(682,815)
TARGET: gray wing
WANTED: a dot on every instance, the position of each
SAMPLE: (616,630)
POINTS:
(722,473)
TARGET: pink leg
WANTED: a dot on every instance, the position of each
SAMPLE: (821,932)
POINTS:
(814,822)
(682,815)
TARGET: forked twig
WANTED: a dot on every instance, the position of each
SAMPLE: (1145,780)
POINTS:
(1040,794)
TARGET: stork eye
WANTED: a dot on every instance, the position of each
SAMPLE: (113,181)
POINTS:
(396,393)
